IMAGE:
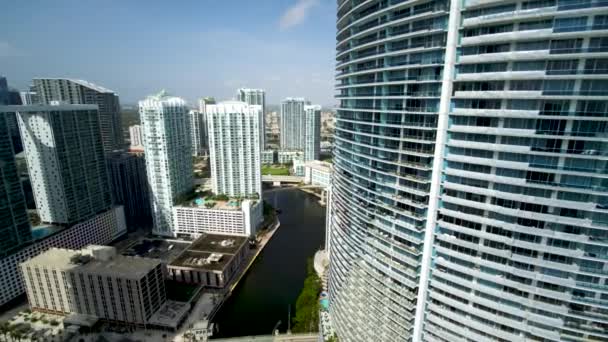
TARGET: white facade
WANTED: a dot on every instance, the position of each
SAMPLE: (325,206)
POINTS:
(287,157)
(135,135)
(95,281)
(293,123)
(242,220)
(64,152)
(234,148)
(267,157)
(317,173)
(312,132)
(101,229)
(166,134)
(198,133)
(255,97)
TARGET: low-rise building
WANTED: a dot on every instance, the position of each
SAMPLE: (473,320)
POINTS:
(212,260)
(267,157)
(317,172)
(287,156)
(200,216)
(101,229)
(95,281)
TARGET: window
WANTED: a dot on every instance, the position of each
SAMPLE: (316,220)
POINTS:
(570,24)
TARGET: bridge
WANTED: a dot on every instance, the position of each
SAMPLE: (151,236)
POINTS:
(277,180)
(272,338)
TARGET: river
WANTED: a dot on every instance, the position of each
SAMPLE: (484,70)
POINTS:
(274,281)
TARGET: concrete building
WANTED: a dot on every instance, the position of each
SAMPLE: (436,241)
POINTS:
(233,217)
(255,97)
(212,261)
(14,222)
(469,192)
(198,128)
(293,123)
(268,157)
(287,156)
(130,188)
(317,173)
(95,281)
(198,133)
(72,91)
(100,229)
(135,137)
(29,98)
(167,143)
(234,148)
(65,159)
(312,132)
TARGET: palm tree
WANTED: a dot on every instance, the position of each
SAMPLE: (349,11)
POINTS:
(4,329)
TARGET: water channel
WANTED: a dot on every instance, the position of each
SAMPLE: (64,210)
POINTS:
(274,281)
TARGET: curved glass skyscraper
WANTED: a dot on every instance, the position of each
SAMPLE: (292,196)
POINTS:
(470,198)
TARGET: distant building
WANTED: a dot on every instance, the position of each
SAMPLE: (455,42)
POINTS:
(135,136)
(317,173)
(255,97)
(287,156)
(14,222)
(130,187)
(95,281)
(233,217)
(101,229)
(234,148)
(11,97)
(198,128)
(72,91)
(268,157)
(167,143)
(212,261)
(70,180)
(312,132)
(29,98)
(292,123)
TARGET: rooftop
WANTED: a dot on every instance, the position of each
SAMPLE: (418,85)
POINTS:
(101,260)
(80,82)
(216,243)
(210,252)
(47,108)
(319,165)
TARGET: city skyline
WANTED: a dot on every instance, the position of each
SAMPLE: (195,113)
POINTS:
(128,61)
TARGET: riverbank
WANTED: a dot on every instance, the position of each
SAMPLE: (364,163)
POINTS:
(261,301)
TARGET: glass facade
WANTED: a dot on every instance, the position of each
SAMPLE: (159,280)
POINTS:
(470,192)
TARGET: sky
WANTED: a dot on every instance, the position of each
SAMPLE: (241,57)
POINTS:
(190,48)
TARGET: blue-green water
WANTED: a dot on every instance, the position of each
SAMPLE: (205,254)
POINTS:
(274,281)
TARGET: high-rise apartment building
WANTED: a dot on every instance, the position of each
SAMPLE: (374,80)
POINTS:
(198,133)
(469,199)
(167,143)
(72,91)
(198,128)
(312,132)
(95,282)
(130,188)
(135,136)
(64,153)
(14,223)
(234,148)
(10,96)
(255,97)
(293,123)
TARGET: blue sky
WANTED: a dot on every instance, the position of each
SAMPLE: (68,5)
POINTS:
(191,48)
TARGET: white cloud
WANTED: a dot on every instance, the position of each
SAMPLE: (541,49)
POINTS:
(7,50)
(296,14)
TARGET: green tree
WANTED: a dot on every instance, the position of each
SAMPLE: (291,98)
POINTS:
(307,304)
